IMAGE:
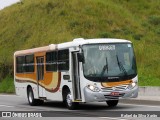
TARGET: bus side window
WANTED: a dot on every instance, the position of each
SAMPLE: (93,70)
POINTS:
(51,61)
(63,60)
(20,64)
(29,63)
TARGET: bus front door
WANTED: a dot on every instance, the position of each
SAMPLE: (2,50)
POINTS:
(40,76)
(76,78)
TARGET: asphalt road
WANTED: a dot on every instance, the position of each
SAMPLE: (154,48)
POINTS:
(95,111)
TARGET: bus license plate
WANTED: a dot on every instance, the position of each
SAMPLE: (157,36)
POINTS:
(114,93)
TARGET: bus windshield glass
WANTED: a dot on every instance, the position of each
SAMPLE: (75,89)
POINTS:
(109,62)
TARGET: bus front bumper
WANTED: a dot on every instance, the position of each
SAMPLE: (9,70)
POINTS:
(91,96)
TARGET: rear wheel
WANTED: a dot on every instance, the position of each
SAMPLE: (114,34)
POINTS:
(68,101)
(30,96)
(112,103)
(31,100)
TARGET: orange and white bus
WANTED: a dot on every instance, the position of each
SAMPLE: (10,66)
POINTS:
(83,70)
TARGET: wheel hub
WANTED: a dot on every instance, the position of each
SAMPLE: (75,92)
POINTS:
(69,100)
(30,97)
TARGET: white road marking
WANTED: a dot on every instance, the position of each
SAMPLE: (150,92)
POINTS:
(140,105)
(10,95)
(118,118)
(6,106)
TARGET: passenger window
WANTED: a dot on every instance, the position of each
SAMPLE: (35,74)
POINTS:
(20,64)
(63,60)
(51,61)
(29,63)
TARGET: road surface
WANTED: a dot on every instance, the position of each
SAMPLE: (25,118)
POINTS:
(87,111)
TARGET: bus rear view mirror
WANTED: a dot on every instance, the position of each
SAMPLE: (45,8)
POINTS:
(80,57)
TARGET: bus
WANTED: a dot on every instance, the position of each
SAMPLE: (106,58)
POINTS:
(80,71)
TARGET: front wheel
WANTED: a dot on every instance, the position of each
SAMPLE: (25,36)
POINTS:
(112,103)
(69,103)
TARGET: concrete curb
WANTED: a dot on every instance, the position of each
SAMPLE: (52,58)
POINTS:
(140,102)
(147,95)
(149,91)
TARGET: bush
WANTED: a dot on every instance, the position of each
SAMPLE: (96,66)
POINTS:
(5,69)
(154,20)
(105,35)
(137,36)
(73,24)
(157,31)
(7,85)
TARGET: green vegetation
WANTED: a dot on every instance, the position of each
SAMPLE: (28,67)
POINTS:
(7,85)
(35,23)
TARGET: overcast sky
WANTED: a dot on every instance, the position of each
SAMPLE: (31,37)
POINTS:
(5,3)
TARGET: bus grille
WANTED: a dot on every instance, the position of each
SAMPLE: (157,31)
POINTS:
(115,88)
(115,97)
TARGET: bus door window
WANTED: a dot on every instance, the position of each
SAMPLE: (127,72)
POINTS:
(40,68)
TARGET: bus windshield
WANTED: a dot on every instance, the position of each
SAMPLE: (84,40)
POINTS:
(109,62)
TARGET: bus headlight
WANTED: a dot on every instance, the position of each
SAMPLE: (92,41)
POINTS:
(132,85)
(93,88)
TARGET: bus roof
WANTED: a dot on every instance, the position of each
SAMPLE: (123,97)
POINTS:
(34,50)
(81,41)
(74,43)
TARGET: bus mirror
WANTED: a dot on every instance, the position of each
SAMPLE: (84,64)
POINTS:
(80,57)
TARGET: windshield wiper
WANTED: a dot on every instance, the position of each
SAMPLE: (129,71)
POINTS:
(105,67)
(121,67)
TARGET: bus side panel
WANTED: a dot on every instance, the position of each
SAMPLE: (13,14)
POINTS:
(52,84)
(55,93)
(57,96)
(22,81)
(66,82)
(21,89)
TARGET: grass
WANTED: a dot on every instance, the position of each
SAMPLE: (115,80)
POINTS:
(7,85)
(39,23)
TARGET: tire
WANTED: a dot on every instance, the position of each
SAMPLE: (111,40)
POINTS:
(30,97)
(112,103)
(68,101)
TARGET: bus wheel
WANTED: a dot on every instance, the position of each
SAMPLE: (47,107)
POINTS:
(112,103)
(30,96)
(69,103)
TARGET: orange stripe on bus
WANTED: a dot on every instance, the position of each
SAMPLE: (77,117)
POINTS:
(50,83)
(27,75)
(112,84)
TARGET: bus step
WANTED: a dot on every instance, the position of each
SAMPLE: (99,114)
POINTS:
(77,100)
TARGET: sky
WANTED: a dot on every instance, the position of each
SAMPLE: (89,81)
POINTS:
(5,3)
